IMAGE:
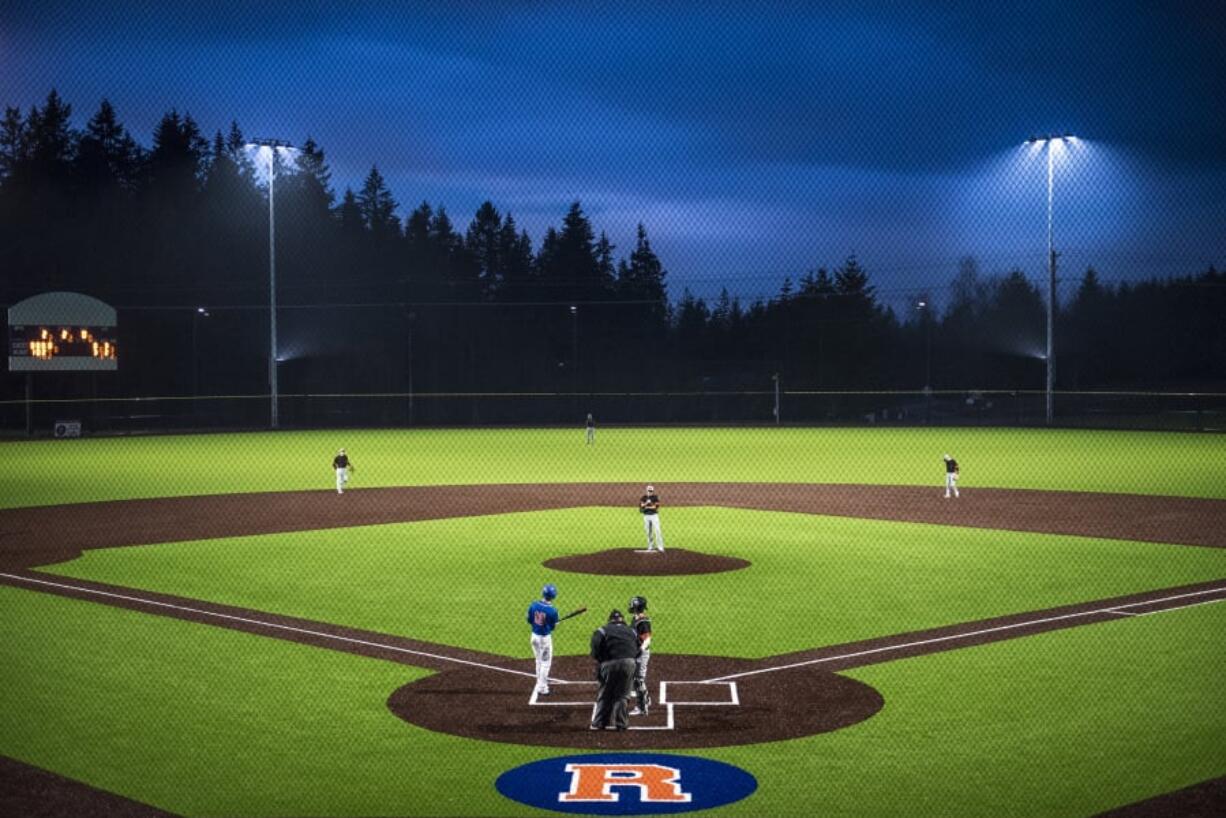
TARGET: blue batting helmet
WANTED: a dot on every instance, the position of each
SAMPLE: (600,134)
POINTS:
(549,591)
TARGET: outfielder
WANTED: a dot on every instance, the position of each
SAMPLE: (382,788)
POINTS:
(649,505)
(343,467)
(642,626)
(951,476)
(591,429)
(543,617)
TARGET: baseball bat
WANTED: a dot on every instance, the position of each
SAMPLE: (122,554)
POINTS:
(575,612)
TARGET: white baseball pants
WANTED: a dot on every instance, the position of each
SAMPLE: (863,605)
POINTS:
(951,483)
(342,477)
(542,649)
(655,535)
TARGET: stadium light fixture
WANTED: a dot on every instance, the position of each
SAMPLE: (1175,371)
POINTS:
(270,148)
(1052,142)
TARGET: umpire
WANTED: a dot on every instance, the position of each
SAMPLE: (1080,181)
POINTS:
(614,647)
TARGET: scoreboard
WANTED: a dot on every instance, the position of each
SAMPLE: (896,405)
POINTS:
(62,332)
(43,347)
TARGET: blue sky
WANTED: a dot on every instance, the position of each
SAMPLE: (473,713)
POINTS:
(753,140)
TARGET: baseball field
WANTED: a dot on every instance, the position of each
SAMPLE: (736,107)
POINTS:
(202,625)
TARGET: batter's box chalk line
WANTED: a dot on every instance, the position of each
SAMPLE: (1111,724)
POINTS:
(733,699)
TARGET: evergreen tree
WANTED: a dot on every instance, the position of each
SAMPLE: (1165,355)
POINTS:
(108,158)
(313,183)
(14,146)
(484,244)
(349,214)
(606,270)
(643,279)
(378,208)
(176,165)
(569,262)
(51,141)
(518,264)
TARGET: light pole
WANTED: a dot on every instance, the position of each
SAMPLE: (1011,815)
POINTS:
(574,334)
(775,378)
(272,147)
(924,306)
(1051,141)
(200,312)
(412,316)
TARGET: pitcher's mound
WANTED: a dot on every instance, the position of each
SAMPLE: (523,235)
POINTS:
(631,563)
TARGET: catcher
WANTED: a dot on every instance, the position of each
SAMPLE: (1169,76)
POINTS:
(343,467)
(642,628)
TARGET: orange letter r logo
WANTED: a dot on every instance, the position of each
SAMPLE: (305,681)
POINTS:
(595,782)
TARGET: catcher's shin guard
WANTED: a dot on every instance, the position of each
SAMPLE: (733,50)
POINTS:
(641,695)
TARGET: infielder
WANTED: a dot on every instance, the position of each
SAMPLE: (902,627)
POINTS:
(591,429)
(342,466)
(951,476)
(543,617)
(649,505)
(642,626)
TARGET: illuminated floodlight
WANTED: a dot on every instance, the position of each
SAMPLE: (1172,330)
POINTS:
(1052,142)
(271,148)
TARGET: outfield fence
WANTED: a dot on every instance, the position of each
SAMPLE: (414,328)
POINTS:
(1188,411)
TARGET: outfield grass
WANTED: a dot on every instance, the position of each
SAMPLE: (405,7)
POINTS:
(818,580)
(1069,723)
(200,720)
(67,471)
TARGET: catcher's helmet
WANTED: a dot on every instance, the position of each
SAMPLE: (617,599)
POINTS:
(638,604)
(549,591)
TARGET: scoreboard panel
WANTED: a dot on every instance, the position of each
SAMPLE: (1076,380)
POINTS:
(47,348)
(63,332)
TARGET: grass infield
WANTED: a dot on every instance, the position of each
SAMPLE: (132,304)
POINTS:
(819,580)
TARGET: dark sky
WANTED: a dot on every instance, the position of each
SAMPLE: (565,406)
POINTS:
(754,140)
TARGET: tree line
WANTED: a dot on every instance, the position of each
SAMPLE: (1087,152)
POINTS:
(371,302)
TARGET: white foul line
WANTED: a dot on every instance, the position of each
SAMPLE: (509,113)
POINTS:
(956,636)
(1178,607)
(264,624)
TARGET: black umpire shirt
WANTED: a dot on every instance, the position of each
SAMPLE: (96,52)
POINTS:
(616,640)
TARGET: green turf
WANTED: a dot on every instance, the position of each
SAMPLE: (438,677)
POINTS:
(818,580)
(64,471)
(200,720)
(1068,723)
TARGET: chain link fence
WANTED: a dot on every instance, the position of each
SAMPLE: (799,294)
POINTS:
(1184,411)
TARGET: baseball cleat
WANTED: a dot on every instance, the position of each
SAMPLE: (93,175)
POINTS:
(637,712)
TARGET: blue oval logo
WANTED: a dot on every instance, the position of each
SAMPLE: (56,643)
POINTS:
(626,784)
